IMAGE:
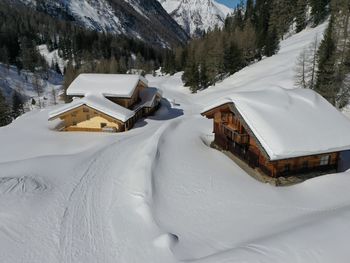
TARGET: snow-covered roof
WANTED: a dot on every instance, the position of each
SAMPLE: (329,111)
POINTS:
(109,85)
(148,97)
(97,102)
(291,123)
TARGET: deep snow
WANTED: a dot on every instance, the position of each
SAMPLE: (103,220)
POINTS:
(158,193)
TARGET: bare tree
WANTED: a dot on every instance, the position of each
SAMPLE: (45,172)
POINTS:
(306,67)
(312,61)
(38,86)
(54,96)
(301,70)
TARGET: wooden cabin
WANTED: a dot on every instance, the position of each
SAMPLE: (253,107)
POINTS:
(281,133)
(107,102)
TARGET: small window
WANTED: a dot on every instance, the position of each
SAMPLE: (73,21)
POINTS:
(287,168)
(88,117)
(305,165)
(74,114)
(85,109)
(324,160)
(74,123)
(103,125)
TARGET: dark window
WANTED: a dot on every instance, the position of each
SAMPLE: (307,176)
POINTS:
(287,168)
(103,125)
(305,165)
(74,123)
(85,110)
(88,117)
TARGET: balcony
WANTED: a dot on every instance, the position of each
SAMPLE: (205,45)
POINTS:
(235,136)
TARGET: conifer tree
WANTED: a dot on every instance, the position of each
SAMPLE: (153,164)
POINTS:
(319,10)
(300,18)
(326,75)
(5,113)
(233,60)
(272,43)
(17,105)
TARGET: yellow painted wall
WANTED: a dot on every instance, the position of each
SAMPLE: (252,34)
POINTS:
(88,118)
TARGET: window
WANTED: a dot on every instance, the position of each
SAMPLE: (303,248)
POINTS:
(85,109)
(74,114)
(324,160)
(305,165)
(287,167)
(103,125)
(74,123)
(88,117)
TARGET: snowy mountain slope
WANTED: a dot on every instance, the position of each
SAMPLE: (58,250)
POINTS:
(11,80)
(196,16)
(158,193)
(145,20)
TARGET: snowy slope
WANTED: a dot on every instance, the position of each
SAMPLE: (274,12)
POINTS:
(145,20)
(158,193)
(11,79)
(196,16)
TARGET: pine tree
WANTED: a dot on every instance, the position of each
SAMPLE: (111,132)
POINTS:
(319,10)
(203,77)
(233,60)
(326,75)
(17,105)
(300,18)
(272,43)
(5,113)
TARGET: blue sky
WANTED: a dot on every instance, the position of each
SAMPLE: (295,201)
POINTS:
(230,3)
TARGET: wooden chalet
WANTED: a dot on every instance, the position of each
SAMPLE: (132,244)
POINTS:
(280,132)
(107,102)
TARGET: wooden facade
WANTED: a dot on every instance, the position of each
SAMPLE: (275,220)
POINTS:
(86,118)
(134,99)
(234,135)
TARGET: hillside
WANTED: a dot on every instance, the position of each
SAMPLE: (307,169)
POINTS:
(197,16)
(144,20)
(89,201)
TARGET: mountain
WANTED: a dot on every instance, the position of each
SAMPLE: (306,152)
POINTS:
(141,19)
(196,16)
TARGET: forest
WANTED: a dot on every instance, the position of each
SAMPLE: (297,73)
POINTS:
(251,33)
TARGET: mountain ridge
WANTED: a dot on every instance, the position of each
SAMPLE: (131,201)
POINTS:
(197,16)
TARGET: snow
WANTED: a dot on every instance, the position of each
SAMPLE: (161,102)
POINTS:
(52,57)
(97,102)
(197,14)
(109,85)
(291,122)
(148,97)
(158,193)
(96,15)
(22,81)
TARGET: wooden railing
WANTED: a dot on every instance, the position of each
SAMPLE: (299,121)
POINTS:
(235,136)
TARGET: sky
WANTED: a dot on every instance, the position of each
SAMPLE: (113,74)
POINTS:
(229,3)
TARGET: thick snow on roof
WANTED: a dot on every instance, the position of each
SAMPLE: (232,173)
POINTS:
(291,123)
(109,85)
(148,97)
(97,102)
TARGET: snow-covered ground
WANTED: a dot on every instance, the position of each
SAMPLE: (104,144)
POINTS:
(158,193)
